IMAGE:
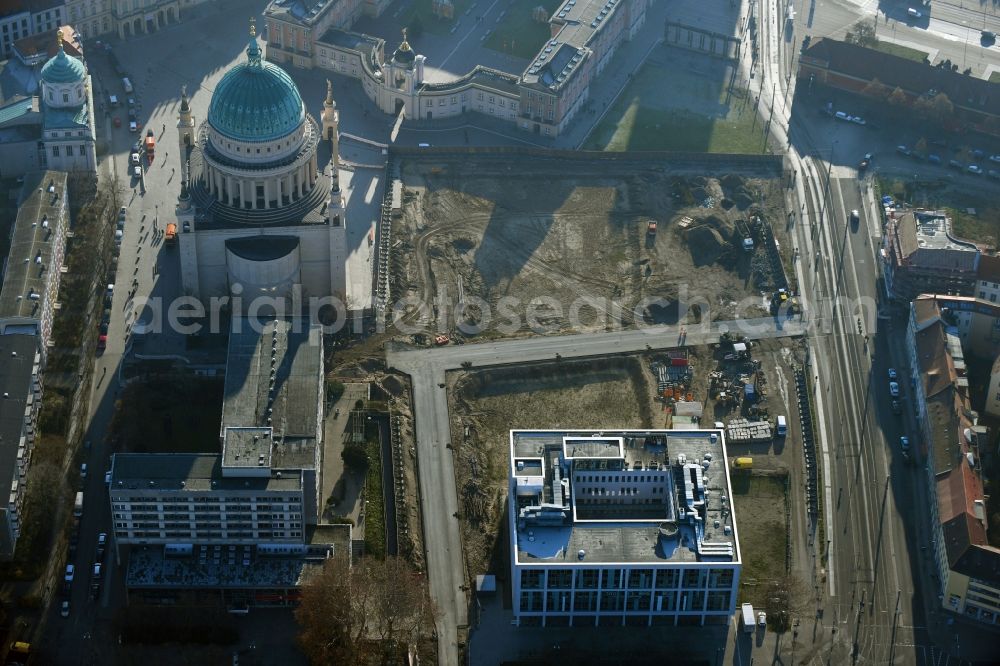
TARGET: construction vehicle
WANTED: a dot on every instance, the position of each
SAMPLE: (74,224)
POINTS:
(150,145)
(170,235)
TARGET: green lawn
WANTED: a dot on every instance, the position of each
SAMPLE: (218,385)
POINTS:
(518,33)
(422,12)
(374,502)
(901,51)
(648,116)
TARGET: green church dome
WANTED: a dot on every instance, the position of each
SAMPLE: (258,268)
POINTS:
(256,100)
(63,68)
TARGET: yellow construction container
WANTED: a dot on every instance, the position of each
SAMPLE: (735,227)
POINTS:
(742,463)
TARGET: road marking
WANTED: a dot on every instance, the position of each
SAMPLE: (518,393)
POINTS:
(459,44)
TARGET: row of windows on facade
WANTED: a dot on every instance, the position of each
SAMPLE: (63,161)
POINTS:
(621,491)
(993,297)
(291,500)
(69,151)
(658,602)
(91,9)
(126,533)
(502,102)
(138,524)
(632,477)
(65,96)
(616,578)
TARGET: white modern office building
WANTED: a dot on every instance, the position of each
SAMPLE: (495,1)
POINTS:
(615,528)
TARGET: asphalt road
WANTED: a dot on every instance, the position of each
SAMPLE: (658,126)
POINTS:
(870,594)
(949,30)
(439,501)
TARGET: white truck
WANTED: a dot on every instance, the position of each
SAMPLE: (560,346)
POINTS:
(78,506)
(748,618)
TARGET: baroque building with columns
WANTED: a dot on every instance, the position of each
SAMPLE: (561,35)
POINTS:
(260,214)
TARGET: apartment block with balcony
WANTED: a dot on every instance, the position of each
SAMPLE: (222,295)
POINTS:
(621,528)
(20,382)
(967,567)
(33,268)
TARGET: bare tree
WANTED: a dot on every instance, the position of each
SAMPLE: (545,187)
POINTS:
(371,613)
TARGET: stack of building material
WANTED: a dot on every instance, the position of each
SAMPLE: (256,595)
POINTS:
(744,430)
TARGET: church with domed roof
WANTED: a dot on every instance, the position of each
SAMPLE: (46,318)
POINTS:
(260,216)
(66,102)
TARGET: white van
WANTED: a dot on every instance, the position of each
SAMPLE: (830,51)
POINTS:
(113,99)
(781,426)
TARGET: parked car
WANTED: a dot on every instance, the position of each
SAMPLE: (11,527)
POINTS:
(64,609)
(83,470)
(896,409)
(904,445)
(840,115)
(137,171)
(135,158)
(107,478)
(858,120)
(894,389)
(855,219)
(70,571)
(97,571)
(118,237)
(955,164)
(903,150)
(993,173)
(975,168)
(892,373)
(934,159)
(133,126)
(914,13)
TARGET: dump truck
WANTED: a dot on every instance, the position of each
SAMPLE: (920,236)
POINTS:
(150,145)
(170,235)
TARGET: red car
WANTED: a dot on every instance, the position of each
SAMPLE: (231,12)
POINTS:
(118,121)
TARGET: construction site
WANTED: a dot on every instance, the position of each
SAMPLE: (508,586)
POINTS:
(518,243)
(746,387)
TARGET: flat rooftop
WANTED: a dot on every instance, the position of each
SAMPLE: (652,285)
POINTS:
(189,472)
(934,232)
(34,242)
(274,375)
(650,496)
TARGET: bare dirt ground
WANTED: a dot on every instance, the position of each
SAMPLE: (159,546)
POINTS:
(620,392)
(495,238)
